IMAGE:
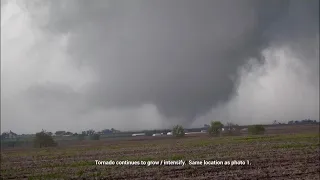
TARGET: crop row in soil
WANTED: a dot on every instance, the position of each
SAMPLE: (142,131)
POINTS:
(272,157)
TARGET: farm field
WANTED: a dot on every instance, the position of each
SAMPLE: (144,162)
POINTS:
(271,156)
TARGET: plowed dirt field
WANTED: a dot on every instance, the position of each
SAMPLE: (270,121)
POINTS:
(282,156)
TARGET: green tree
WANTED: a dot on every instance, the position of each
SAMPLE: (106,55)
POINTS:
(84,133)
(149,132)
(81,137)
(256,129)
(43,139)
(215,128)
(90,132)
(178,131)
(95,137)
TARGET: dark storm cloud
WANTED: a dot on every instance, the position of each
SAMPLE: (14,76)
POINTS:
(182,56)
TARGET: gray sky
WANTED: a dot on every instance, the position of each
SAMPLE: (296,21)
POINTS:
(147,64)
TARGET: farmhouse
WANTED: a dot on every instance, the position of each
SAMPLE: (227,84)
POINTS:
(9,135)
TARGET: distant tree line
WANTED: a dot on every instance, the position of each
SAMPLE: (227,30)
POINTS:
(305,121)
(215,128)
(89,132)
